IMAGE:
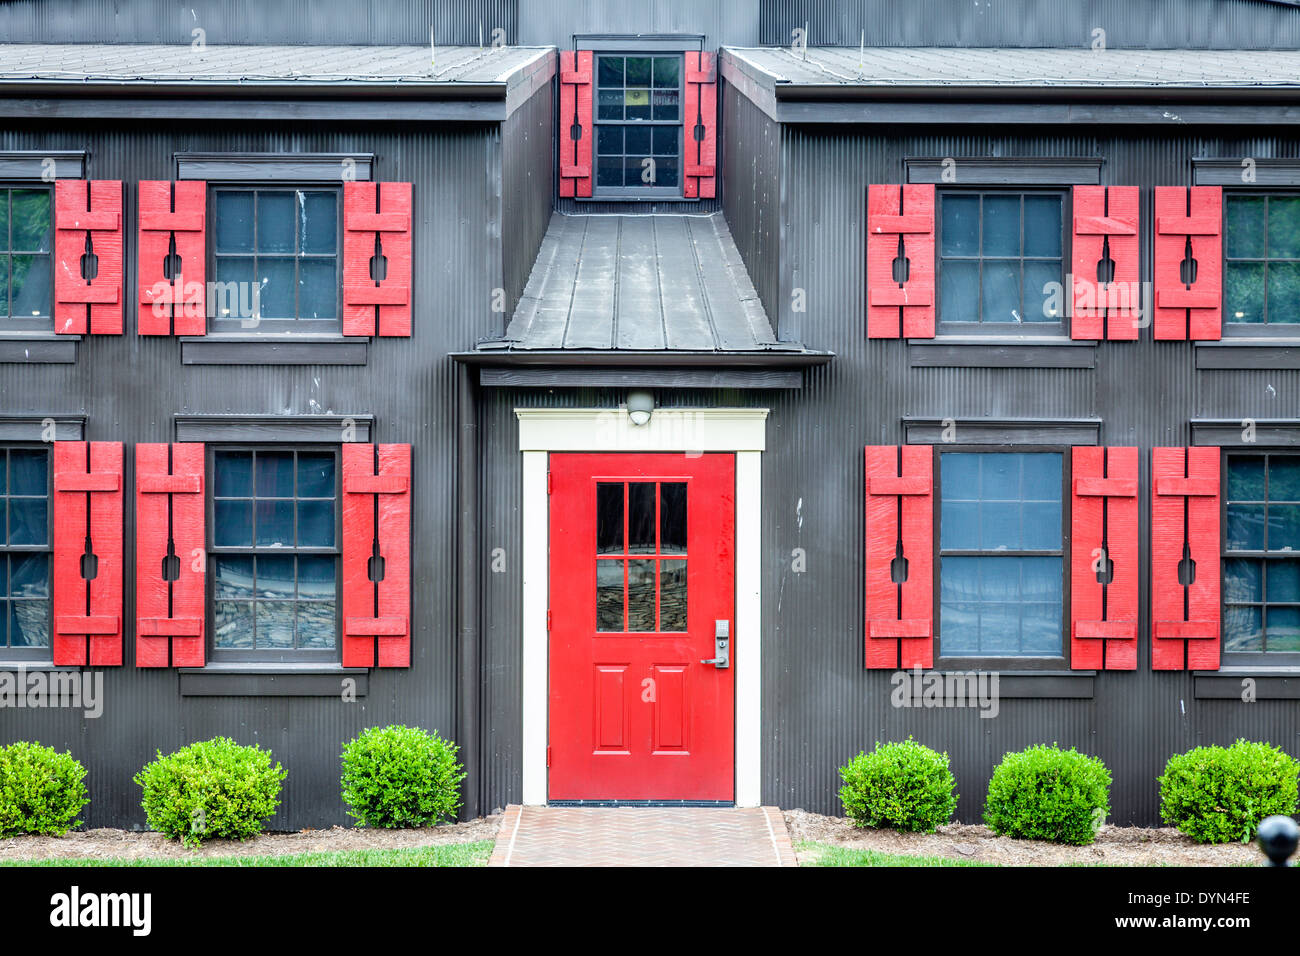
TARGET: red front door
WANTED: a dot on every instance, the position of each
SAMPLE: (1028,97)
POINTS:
(642,570)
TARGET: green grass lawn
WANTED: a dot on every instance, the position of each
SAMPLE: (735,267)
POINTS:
(829,855)
(447,854)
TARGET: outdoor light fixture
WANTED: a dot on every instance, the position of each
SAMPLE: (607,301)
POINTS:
(639,406)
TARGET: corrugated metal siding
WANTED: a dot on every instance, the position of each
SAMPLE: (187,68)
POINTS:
(722,22)
(1128,24)
(752,207)
(527,183)
(131,387)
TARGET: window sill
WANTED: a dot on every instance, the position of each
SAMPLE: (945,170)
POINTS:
(1032,684)
(273,680)
(273,348)
(38,348)
(1249,352)
(1228,683)
(1001,351)
(31,665)
(667,197)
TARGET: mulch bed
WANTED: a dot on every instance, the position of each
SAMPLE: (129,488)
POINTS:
(133,845)
(1118,846)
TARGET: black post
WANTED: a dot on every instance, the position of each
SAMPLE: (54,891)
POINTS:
(467,623)
(1278,837)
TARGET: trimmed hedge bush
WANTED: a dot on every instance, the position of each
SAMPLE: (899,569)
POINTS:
(399,776)
(214,789)
(902,785)
(41,790)
(1045,793)
(1218,794)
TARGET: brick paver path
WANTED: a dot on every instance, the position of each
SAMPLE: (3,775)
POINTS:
(642,836)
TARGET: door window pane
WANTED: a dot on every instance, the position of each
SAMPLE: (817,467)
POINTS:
(650,588)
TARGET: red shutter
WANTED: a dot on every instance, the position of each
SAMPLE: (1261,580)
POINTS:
(172,258)
(377,259)
(899,560)
(1104,559)
(170,557)
(1106,224)
(376,555)
(88,542)
(88,257)
(900,262)
(1188,300)
(700,122)
(576,129)
(1185,611)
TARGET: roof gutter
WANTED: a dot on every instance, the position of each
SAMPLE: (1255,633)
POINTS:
(626,358)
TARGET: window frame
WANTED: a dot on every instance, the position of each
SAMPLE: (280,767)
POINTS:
(227,655)
(275,327)
(1249,330)
(26,655)
(1022,330)
(626,192)
(28,328)
(1026,663)
(1289,659)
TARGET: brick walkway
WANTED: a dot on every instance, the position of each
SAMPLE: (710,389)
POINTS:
(642,836)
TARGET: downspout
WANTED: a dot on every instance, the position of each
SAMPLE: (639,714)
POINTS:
(467,606)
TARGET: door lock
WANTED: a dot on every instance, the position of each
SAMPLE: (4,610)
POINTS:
(721,644)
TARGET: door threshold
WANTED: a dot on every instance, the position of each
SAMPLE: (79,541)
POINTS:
(640,803)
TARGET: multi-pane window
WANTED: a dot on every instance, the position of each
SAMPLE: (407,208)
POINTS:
(275,555)
(25,554)
(275,255)
(1000,261)
(26,274)
(641,556)
(1001,557)
(1261,252)
(1261,562)
(638,124)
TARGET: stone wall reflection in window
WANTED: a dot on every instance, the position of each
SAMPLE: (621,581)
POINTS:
(275,559)
(1261,563)
(275,260)
(641,587)
(1001,557)
(1000,261)
(26,273)
(1261,253)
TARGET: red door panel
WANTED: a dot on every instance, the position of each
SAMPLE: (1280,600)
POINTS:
(642,566)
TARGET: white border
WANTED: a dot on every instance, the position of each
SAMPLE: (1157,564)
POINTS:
(739,430)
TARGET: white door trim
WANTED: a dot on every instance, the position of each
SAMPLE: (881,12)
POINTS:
(739,430)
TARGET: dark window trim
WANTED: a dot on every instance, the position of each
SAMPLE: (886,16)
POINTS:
(1005,330)
(29,164)
(274,168)
(1269,433)
(291,655)
(274,348)
(1227,171)
(273,680)
(269,430)
(28,328)
(31,428)
(994,432)
(649,42)
(951,351)
(997,171)
(655,193)
(1059,662)
(24,655)
(219,328)
(1248,659)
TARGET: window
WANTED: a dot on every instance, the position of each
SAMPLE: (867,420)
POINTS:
(274,554)
(1001,554)
(26,270)
(1261,254)
(25,561)
(641,586)
(638,125)
(275,260)
(999,253)
(1261,556)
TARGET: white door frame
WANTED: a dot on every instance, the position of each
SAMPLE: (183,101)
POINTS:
(738,430)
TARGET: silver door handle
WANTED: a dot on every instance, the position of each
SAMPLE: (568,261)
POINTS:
(721,645)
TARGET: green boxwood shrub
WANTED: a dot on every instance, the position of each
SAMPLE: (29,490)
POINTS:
(1218,794)
(1045,793)
(41,790)
(901,785)
(214,789)
(399,776)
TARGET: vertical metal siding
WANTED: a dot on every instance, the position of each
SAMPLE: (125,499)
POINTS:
(527,184)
